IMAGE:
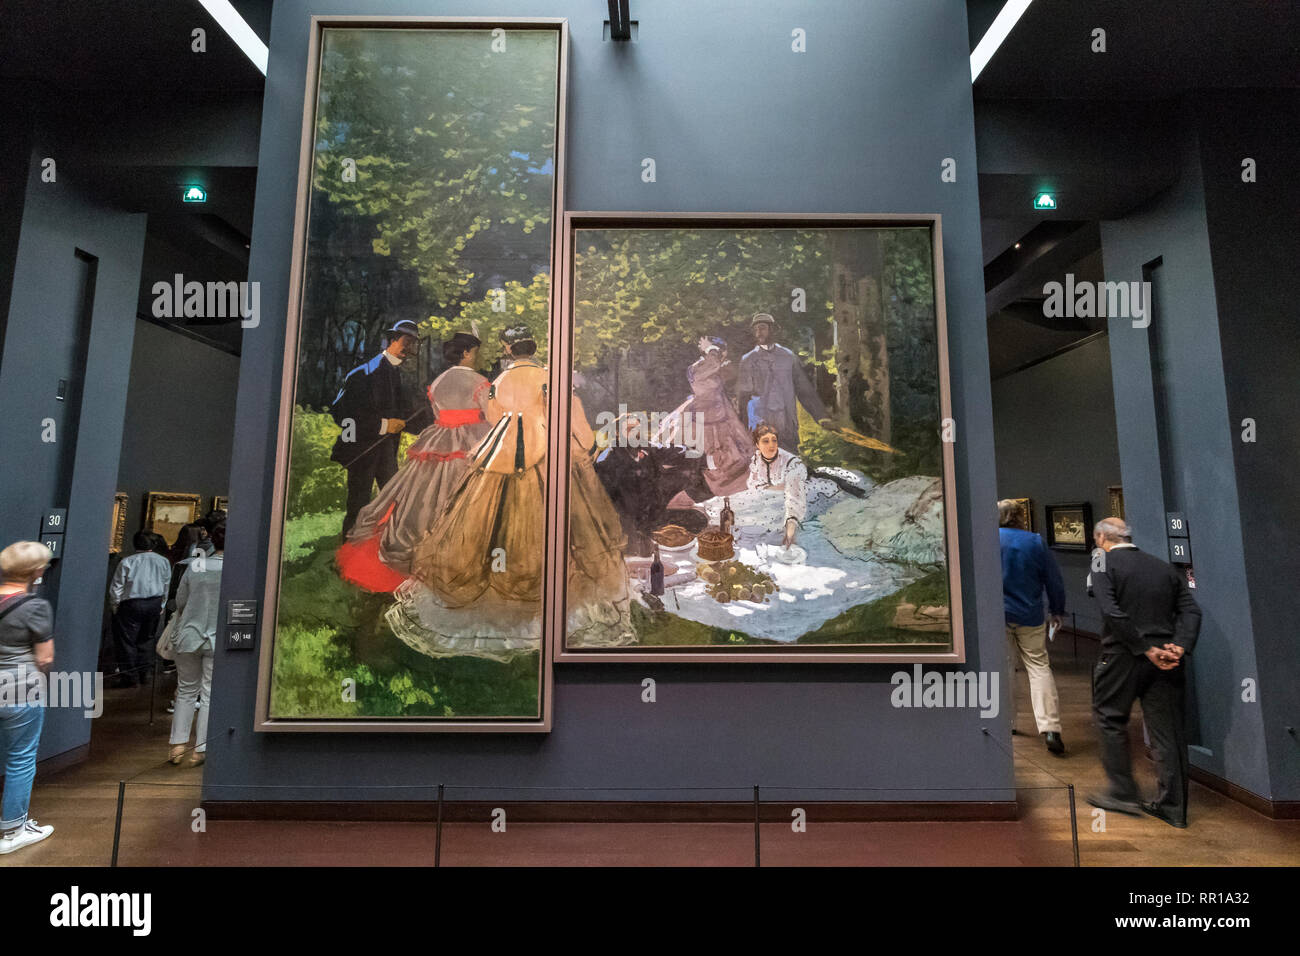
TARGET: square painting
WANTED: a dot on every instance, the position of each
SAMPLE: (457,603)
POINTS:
(758,466)
(1069,527)
(167,512)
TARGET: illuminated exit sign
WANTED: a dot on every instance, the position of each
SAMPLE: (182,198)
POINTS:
(1045,201)
(194,194)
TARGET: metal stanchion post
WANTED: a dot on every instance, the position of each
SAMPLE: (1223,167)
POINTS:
(153,690)
(437,838)
(117,826)
(1074,825)
(757,858)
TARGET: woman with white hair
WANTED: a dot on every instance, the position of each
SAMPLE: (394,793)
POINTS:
(26,651)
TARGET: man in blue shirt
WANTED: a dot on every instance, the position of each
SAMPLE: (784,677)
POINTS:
(1028,569)
(137,594)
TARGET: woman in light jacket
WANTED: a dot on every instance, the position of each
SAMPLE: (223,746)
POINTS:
(197,607)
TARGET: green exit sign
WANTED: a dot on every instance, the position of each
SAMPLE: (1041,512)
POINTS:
(194,194)
(1045,201)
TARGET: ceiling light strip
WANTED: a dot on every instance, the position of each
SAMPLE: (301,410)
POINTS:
(998,31)
(237,29)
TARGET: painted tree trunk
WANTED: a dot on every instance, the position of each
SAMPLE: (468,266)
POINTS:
(861,345)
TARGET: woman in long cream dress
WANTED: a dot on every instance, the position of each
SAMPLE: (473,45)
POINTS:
(377,554)
(477,576)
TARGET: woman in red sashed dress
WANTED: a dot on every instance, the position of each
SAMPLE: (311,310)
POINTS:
(377,554)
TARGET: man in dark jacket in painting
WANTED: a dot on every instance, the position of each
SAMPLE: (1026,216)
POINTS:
(372,409)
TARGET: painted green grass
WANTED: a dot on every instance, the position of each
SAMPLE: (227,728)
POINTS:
(865,622)
(329,632)
(874,621)
(663,628)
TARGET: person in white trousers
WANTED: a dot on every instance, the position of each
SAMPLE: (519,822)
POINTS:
(198,601)
(1028,569)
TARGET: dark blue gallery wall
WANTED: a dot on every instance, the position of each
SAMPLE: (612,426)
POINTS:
(180,420)
(157,128)
(1055,427)
(736,122)
(15,156)
(59,219)
(1254,246)
(1173,227)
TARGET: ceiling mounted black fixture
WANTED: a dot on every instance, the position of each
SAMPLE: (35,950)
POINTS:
(620,20)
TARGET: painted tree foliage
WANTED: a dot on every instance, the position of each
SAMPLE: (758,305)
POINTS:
(514,304)
(433,173)
(856,306)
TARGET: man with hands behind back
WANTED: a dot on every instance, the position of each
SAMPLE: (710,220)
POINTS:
(1149,624)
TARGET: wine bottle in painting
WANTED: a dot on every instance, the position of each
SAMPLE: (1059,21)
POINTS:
(657,574)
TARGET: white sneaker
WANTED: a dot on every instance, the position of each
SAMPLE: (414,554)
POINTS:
(29,832)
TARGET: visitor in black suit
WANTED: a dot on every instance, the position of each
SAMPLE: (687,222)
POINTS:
(1149,624)
(371,408)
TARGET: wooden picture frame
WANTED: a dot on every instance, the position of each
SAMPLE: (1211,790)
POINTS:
(1115,501)
(166,512)
(1069,526)
(498,35)
(220,503)
(922,620)
(1025,512)
(117,536)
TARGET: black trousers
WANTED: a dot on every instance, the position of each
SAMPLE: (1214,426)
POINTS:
(378,467)
(1118,679)
(135,631)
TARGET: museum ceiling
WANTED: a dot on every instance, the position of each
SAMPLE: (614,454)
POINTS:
(1217,45)
(1093,129)
(126,45)
(128,105)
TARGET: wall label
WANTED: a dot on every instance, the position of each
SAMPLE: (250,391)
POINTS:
(241,612)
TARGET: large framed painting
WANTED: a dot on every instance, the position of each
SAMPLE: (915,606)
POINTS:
(405,586)
(166,512)
(758,468)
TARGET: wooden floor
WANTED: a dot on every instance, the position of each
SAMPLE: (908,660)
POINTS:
(1220,832)
(160,825)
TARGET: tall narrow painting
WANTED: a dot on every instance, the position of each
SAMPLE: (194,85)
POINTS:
(406,567)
